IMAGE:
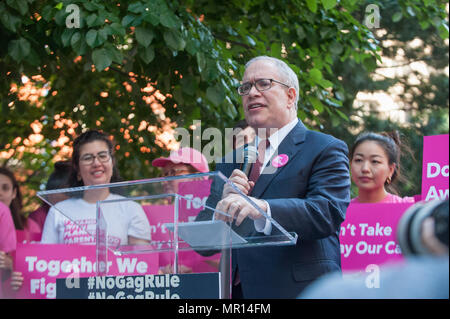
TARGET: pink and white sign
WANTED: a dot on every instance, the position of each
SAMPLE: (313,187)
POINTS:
(27,237)
(368,235)
(195,194)
(42,264)
(435,167)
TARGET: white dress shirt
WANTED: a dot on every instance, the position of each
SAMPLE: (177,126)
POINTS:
(263,225)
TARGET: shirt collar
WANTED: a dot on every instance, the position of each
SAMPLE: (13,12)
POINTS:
(276,138)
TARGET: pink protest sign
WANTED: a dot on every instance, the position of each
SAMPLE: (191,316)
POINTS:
(158,216)
(42,264)
(435,167)
(195,194)
(26,237)
(368,235)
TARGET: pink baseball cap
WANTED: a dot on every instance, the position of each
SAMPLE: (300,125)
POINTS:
(185,155)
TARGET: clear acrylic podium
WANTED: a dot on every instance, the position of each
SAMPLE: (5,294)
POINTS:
(183,231)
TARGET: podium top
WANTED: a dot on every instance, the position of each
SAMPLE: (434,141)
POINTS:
(178,211)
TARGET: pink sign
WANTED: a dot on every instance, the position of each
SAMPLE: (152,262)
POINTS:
(195,194)
(42,264)
(368,235)
(435,167)
(27,237)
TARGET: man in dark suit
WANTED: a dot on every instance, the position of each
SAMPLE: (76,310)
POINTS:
(302,182)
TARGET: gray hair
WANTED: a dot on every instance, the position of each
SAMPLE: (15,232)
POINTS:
(286,73)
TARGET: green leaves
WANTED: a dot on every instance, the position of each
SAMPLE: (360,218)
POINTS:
(397,16)
(20,5)
(315,75)
(96,38)
(78,43)
(101,58)
(117,29)
(189,85)
(147,54)
(316,78)
(316,103)
(174,40)
(215,94)
(19,49)
(312,5)
(144,36)
(66,36)
(329,4)
(9,20)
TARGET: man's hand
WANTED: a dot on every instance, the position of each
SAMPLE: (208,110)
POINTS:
(240,180)
(238,208)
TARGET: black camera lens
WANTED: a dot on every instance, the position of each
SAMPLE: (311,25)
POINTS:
(409,229)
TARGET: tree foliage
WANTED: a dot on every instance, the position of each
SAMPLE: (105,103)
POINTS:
(413,36)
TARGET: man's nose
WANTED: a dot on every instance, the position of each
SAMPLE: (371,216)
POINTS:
(253,90)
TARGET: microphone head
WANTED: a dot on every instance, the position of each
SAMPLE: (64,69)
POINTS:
(250,153)
(250,156)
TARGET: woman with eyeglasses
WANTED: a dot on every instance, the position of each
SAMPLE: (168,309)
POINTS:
(93,163)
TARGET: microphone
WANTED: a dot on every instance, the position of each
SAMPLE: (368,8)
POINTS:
(250,156)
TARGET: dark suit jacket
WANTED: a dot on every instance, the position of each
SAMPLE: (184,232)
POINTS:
(309,196)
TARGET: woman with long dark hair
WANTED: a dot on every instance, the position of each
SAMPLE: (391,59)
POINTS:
(93,163)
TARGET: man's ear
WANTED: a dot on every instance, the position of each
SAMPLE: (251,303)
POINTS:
(292,94)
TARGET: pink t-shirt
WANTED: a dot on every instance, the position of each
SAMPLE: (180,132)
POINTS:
(389,199)
(7,235)
(31,232)
(39,215)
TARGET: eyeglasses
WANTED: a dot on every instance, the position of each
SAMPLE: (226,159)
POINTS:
(88,159)
(261,85)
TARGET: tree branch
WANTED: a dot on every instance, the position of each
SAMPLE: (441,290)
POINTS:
(232,42)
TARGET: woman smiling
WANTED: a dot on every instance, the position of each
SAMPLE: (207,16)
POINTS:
(93,163)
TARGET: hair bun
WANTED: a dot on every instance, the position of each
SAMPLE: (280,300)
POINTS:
(394,135)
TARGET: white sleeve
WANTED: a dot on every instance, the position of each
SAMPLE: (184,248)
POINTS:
(139,226)
(263,225)
(50,230)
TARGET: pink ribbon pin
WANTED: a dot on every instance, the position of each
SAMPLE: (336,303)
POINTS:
(280,160)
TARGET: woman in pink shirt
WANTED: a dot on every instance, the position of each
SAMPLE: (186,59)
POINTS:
(7,244)
(11,196)
(25,228)
(375,166)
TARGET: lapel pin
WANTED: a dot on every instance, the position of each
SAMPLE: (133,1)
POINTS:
(280,160)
